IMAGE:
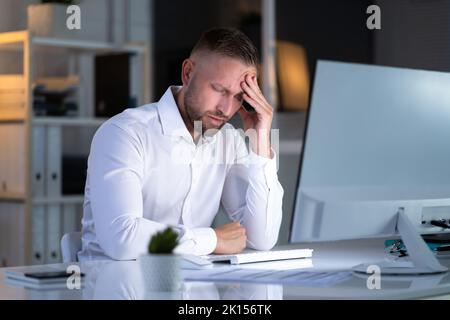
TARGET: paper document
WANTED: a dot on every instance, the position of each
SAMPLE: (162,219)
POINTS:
(251,256)
(291,277)
(294,264)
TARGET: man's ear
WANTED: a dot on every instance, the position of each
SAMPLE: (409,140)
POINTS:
(186,71)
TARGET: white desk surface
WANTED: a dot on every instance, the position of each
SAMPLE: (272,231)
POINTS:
(117,280)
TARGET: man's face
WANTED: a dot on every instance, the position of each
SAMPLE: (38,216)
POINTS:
(214,93)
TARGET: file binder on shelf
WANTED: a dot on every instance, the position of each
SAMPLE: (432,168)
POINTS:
(38,163)
(38,222)
(54,233)
(53,185)
(53,188)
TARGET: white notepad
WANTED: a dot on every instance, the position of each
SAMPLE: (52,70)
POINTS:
(260,256)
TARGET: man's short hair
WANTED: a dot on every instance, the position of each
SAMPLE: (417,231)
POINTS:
(228,42)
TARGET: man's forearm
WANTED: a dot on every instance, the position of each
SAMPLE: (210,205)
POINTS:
(260,145)
(263,213)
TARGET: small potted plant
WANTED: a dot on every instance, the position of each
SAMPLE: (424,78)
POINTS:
(48,19)
(160,267)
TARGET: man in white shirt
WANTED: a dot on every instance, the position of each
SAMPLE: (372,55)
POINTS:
(172,163)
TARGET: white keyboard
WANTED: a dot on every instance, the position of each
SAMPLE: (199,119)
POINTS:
(261,256)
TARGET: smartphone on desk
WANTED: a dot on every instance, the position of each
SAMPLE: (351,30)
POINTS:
(43,275)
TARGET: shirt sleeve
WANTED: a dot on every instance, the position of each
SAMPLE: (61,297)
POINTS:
(253,195)
(116,171)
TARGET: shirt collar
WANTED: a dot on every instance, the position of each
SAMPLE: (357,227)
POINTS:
(171,120)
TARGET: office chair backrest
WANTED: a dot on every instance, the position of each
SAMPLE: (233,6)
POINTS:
(70,245)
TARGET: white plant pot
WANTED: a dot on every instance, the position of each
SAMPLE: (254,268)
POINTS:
(49,20)
(160,272)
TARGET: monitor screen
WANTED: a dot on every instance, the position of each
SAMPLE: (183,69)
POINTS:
(377,138)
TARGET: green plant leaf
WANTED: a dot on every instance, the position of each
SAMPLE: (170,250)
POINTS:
(163,242)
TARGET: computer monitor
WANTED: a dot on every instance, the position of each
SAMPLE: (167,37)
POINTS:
(377,140)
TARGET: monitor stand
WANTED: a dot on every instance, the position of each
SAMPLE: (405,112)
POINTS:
(421,259)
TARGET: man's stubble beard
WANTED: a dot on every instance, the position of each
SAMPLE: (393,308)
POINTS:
(191,106)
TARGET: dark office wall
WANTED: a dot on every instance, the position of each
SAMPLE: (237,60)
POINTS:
(414,34)
(179,24)
(334,30)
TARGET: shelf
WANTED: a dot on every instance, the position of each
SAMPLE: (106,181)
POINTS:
(75,199)
(12,196)
(14,37)
(39,143)
(86,45)
(12,118)
(20,197)
(14,40)
(66,121)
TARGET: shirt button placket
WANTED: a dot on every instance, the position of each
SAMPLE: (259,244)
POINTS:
(186,210)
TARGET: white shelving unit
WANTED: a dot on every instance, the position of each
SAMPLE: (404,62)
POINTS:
(34,213)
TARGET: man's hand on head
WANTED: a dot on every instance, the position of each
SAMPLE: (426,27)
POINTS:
(261,119)
(231,238)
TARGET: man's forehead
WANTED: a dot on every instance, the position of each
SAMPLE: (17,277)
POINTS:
(216,64)
(229,77)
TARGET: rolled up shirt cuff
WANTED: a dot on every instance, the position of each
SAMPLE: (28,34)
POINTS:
(206,240)
(257,160)
(198,241)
